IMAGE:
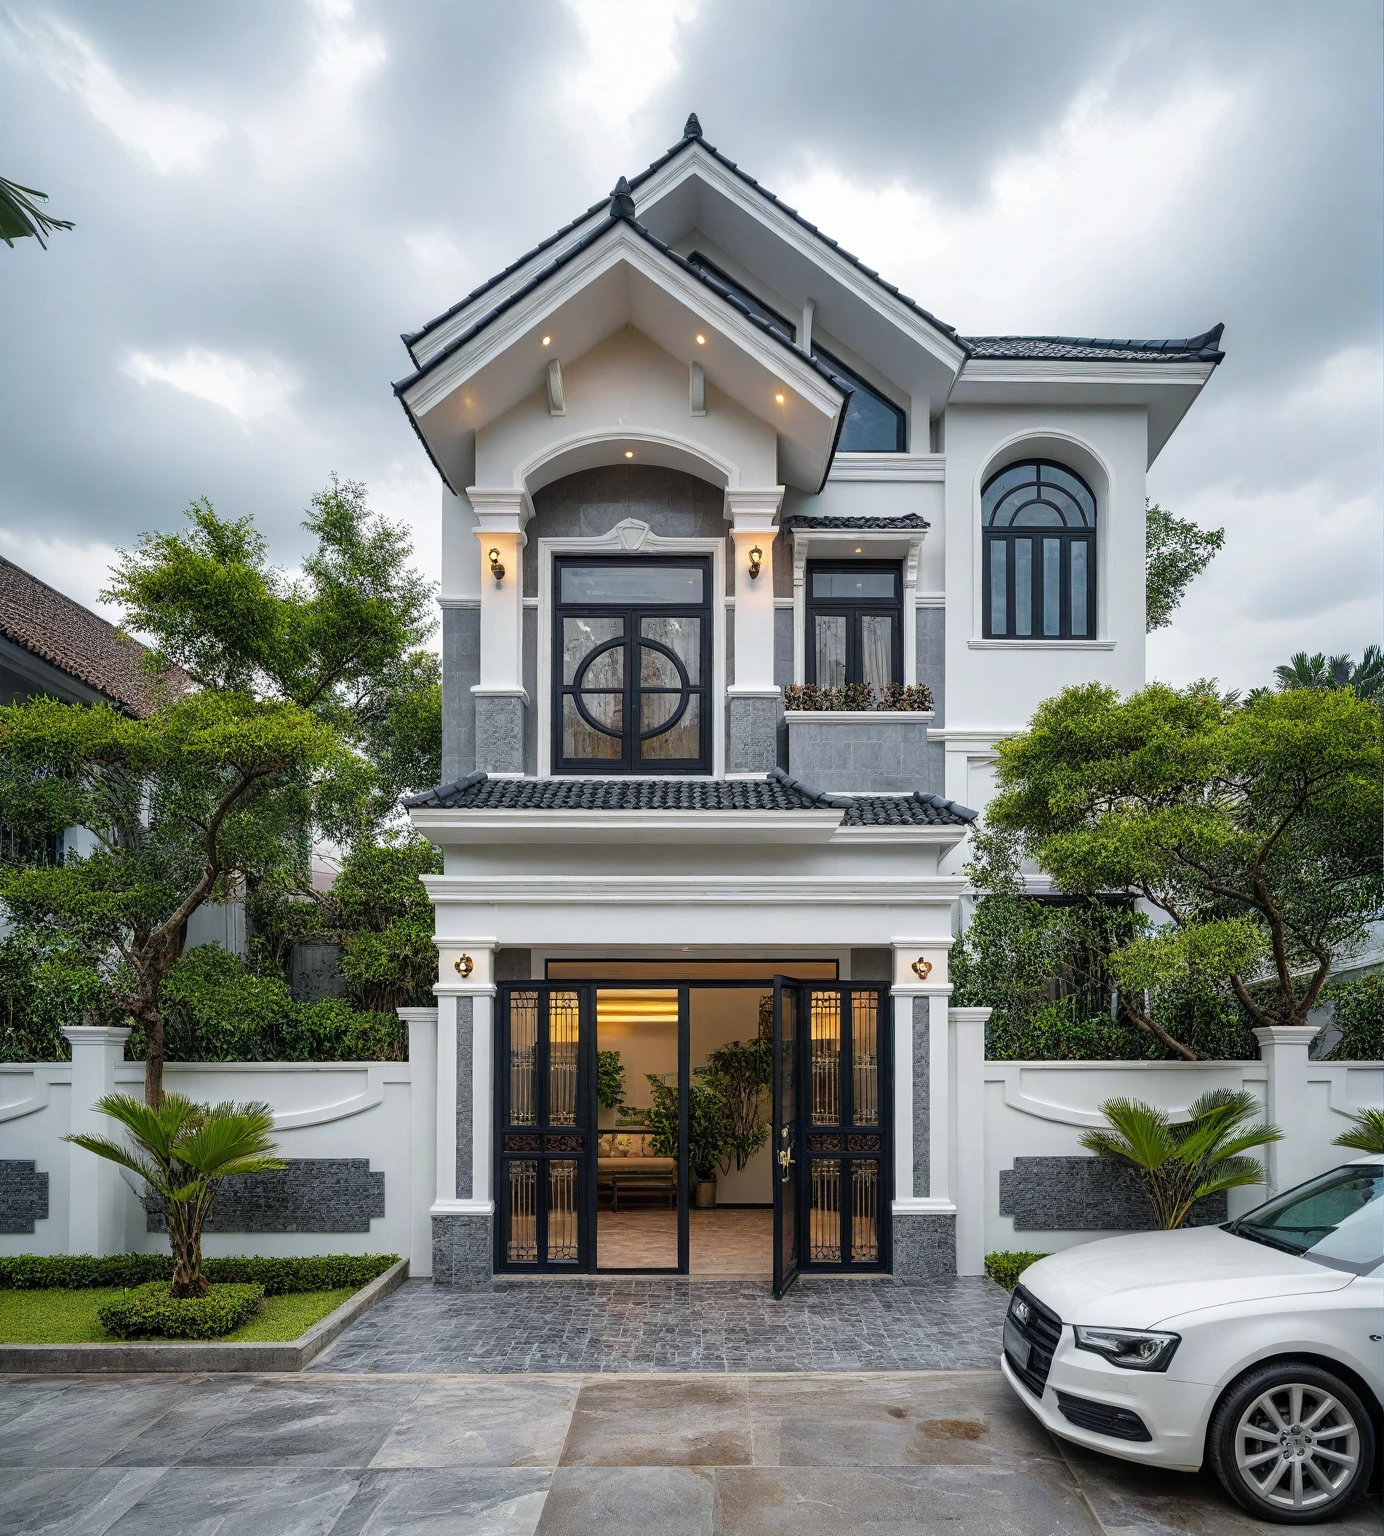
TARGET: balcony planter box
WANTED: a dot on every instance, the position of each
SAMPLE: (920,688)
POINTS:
(879,751)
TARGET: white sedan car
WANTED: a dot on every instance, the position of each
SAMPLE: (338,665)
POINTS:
(1255,1345)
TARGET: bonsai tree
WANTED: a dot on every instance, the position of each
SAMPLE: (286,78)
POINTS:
(184,1151)
(1366,1134)
(1181,1164)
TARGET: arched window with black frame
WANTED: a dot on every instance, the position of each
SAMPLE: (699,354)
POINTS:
(1039,576)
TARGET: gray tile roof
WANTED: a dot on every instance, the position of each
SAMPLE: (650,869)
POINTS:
(1096,349)
(907,521)
(778,792)
(77,641)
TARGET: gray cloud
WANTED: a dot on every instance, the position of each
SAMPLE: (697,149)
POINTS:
(267,194)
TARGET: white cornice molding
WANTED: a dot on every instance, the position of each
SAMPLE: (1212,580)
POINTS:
(875,467)
(968,736)
(691,890)
(1050,370)
(1041,645)
(597,826)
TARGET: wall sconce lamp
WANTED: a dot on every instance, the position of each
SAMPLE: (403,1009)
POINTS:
(464,966)
(756,556)
(922,969)
(496,569)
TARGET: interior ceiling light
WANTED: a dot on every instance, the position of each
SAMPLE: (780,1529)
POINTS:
(857,549)
(629,453)
(779,398)
(701,340)
(547,341)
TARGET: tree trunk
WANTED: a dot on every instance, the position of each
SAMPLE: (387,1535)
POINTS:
(185,1239)
(153,1060)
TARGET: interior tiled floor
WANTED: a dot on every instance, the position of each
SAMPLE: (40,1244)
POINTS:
(883,1454)
(731,1244)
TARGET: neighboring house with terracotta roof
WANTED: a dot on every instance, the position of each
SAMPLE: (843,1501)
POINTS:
(51,645)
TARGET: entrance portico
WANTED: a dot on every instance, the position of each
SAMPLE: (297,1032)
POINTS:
(673,874)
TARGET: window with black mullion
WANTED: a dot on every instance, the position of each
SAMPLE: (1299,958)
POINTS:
(854,624)
(1039,564)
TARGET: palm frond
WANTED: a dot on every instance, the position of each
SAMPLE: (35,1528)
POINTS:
(1230,1173)
(1367,1134)
(20,215)
(113,1152)
(1144,1129)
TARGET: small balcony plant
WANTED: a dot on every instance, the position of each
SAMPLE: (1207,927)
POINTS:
(858,697)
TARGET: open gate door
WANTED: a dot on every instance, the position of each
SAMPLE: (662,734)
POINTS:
(785,1135)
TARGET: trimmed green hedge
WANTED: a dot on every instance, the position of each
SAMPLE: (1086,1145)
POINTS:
(1004,1268)
(277,1277)
(149,1312)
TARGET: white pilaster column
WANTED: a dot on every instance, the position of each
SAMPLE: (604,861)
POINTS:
(1283,1048)
(500,519)
(753,524)
(910,610)
(94,1192)
(968,1067)
(422,1111)
(466,977)
(922,1166)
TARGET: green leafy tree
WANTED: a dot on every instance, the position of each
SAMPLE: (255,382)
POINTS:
(740,1074)
(1366,1134)
(706,1122)
(1358,1011)
(1254,829)
(183,1151)
(206,791)
(1175,551)
(610,1079)
(1179,1164)
(22,218)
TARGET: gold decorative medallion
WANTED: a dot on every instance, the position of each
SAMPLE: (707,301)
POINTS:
(464,966)
(922,969)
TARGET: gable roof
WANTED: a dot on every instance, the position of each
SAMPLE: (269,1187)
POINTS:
(778,792)
(41,620)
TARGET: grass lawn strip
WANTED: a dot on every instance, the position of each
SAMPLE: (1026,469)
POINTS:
(69,1317)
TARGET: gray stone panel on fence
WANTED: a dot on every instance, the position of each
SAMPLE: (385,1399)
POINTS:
(864,754)
(465,1107)
(313,1194)
(23,1195)
(461,669)
(314,972)
(1086,1194)
(461,1251)
(924,1246)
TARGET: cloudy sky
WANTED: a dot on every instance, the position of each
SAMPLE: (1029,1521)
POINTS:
(266,193)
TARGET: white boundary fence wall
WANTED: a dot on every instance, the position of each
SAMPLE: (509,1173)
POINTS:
(1023,1180)
(362,1141)
(359,1137)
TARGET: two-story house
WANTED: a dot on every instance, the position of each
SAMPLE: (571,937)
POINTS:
(694,453)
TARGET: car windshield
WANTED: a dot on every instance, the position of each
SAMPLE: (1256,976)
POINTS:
(1336,1220)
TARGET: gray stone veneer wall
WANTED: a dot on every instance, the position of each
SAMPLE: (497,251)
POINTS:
(890,756)
(1086,1194)
(461,667)
(932,670)
(464,1098)
(462,1254)
(23,1196)
(500,733)
(514,965)
(872,964)
(922,1162)
(924,1246)
(313,1194)
(752,734)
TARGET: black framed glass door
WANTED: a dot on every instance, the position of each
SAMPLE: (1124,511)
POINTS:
(784,1131)
(544,1084)
(833,1094)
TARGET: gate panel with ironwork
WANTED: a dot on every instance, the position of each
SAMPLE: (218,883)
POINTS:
(543,1183)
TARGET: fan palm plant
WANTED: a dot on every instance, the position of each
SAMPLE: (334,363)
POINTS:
(183,1151)
(1179,1164)
(1367,1134)
(21,216)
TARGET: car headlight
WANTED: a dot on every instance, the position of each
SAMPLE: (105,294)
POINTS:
(1133,1348)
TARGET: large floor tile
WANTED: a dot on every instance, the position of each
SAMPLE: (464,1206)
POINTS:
(90,1422)
(1149,1501)
(202,1411)
(84,1502)
(472,1501)
(483,1421)
(246,1501)
(302,1422)
(899,1501)
(18,1394)
(892,1421)
(684,1421)
(630,1501)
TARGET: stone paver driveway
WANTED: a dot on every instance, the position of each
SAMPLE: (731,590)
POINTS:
(840,1454)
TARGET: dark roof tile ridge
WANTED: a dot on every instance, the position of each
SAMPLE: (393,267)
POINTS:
(1207,343)
(440,792)
(817,796)
(961,812)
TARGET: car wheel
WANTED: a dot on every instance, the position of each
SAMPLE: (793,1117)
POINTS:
(1291,1443)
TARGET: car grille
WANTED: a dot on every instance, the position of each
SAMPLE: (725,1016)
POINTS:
(1042,1328)
(1121,1423)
